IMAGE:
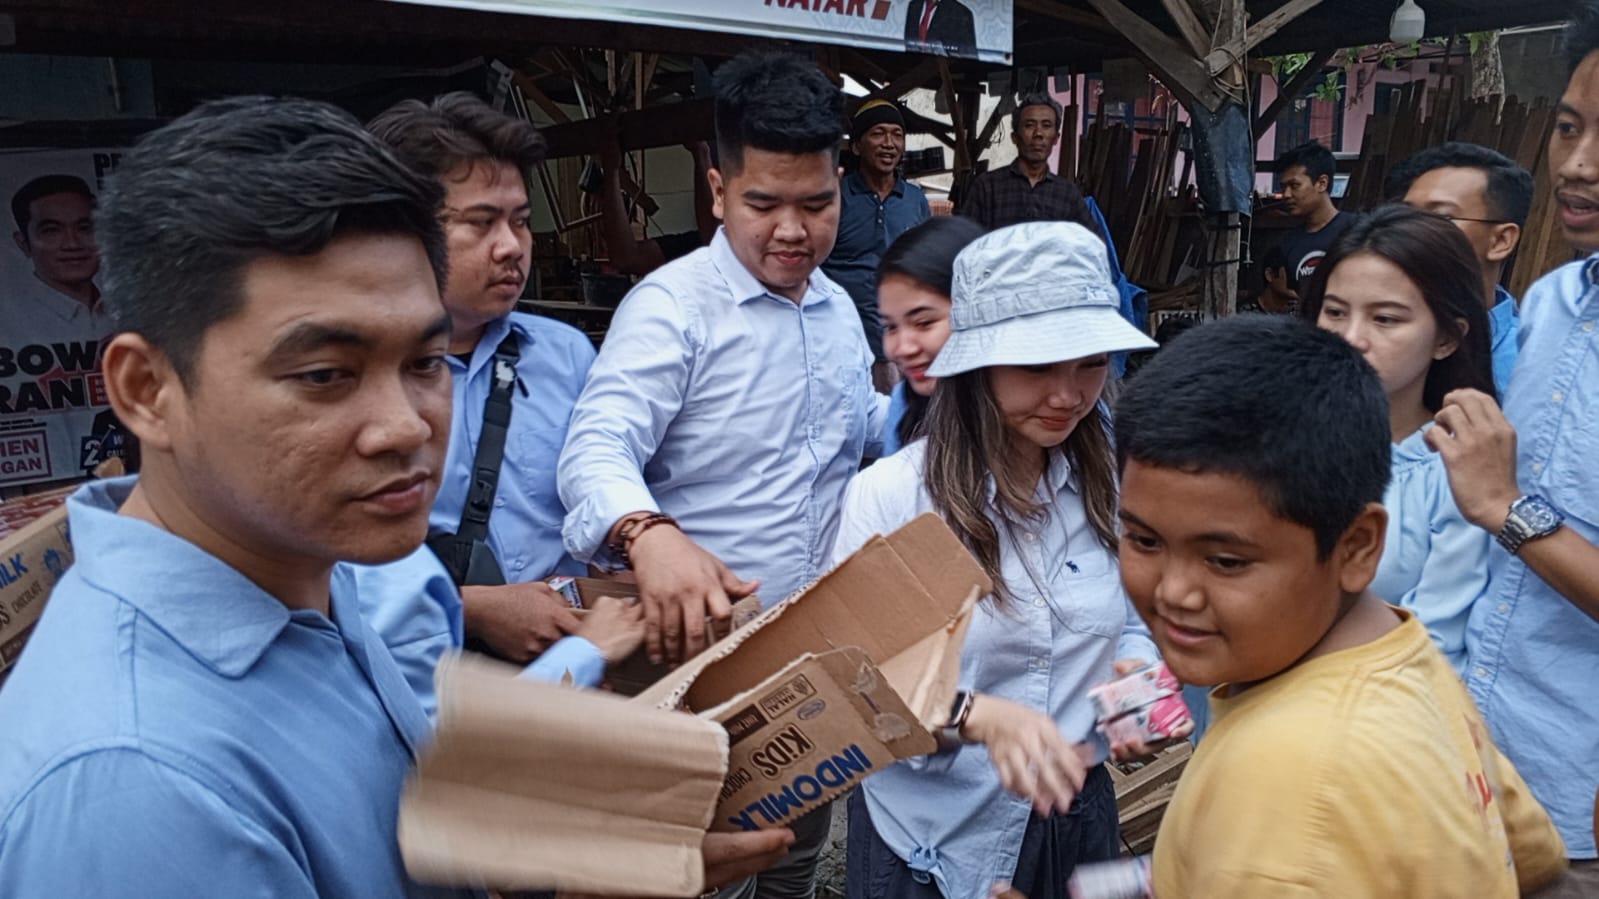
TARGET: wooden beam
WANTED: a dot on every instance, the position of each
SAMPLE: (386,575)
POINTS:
(963,160)
(914,77)
(1274,21)
(1054,9)
(1233,50)
(1182,72)
(540,98)
(1002,109)
(1290,90)
(859,62)
(1189,26)
(667,125)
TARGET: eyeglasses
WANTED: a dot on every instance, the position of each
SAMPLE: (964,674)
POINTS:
(1461,218)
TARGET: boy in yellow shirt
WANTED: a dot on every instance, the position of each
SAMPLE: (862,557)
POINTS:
(1344,757)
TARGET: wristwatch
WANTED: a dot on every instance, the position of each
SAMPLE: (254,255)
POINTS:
(1531,517)
(949,736)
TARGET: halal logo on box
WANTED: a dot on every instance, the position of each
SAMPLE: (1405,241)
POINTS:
(789,695)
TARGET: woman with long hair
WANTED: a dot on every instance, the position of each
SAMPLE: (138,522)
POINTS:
(913,284)
(1403,287)
(1016,458)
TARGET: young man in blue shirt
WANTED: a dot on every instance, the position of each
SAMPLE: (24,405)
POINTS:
(732,399)
(1487,195)
(201,710)
(1528,477)
(480,155)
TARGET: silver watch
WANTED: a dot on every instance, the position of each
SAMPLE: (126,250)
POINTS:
(1531,517)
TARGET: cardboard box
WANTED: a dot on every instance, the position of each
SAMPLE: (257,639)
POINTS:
(32,559)
(603,795)
(838,680)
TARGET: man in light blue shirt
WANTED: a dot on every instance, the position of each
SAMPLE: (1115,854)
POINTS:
(732,399)
(1528,476)
(201,710)
(479,155)
(1487,195)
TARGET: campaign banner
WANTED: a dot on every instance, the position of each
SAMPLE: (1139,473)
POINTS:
(973,29)
(55,421)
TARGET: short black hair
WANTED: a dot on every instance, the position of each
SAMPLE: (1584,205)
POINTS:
(778,102)
(926,253)
(457,129)
(1316,159)
(1438,259)
(236,180)
(40,187)
(1212,401)
(1509,196)
(1035,99)
(1581,36)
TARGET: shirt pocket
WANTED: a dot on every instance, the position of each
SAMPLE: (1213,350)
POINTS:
(1089,601)
(1574,479)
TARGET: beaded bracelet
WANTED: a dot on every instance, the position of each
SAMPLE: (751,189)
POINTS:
(630,532)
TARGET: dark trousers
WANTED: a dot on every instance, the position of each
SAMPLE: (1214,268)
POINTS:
(1051,848)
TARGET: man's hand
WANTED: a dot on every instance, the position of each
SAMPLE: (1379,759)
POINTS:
(517,621)
(1033,760)
(679,585)
(731,857)
(615,626)
(1478,447)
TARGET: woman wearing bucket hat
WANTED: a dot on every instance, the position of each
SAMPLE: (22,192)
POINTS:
(1017,460)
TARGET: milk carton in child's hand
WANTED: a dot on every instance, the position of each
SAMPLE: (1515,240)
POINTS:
(1145,706)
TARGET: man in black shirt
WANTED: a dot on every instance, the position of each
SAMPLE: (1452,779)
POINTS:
(1026,190)
(1307,173)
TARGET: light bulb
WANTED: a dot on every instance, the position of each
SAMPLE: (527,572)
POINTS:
(1408,24)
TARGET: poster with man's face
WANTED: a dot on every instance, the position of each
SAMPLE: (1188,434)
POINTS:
(53,408)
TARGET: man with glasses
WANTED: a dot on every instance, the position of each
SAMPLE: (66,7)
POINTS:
(1488,196)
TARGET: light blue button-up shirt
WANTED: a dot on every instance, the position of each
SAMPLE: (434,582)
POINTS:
(525,526)
(1504,321)
(1531,653)
(947,816)
(173,730)
(415,609)
(1434,562)
(896,414)
(739,413)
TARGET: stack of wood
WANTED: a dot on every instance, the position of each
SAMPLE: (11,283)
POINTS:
(1143,792)
(1424,118)
(1132,191)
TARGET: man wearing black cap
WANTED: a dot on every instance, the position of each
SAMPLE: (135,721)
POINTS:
(878,206)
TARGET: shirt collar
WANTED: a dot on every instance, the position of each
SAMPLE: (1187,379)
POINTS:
(1015,168)
(493,333)
(221,617)
(855,183)
(744,286)
(1058,476)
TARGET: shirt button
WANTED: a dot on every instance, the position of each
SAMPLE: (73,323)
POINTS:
(1537,468)
(1504,608)
(1480,672)
(1043,664)
(499,504)
(1030,537)
(1587,326)
(1039,602)
(1558,396)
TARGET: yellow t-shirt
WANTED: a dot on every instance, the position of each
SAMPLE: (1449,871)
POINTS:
(1363,773)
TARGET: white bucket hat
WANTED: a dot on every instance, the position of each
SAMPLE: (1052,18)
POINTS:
(1033,294)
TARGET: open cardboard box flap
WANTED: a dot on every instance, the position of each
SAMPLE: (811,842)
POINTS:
(897,598)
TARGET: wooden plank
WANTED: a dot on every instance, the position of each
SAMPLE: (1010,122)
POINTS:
(667,125)
(914,77)
(1057,10)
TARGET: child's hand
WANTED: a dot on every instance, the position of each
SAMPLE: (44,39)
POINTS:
(615,627)
(1135,750)
(1031,757)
